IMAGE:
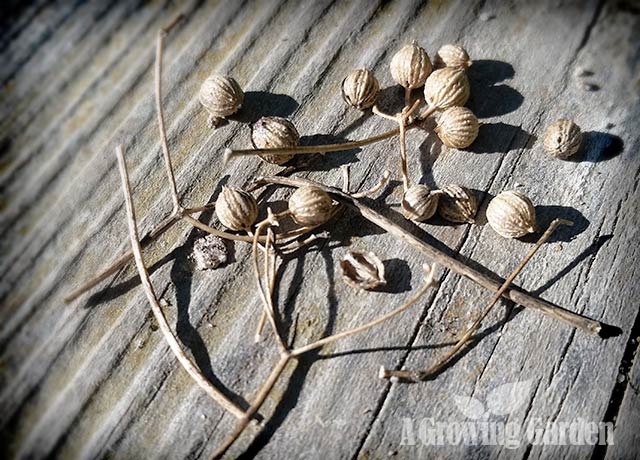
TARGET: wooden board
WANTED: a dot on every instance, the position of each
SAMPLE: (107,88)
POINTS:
(95,378)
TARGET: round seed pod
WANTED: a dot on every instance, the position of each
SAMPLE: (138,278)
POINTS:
(511,214)
(457,127)
(562,139)
(310,206)
(273,133)
(362,270)
(452,56)
(447,87)
(458,204)
(411,66)
(221,96)
(360,89)
(236,209)
(419,202)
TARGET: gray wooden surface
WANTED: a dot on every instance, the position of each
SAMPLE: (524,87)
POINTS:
(95,379)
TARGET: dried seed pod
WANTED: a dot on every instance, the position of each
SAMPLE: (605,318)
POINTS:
(511,214)
(236,209)
(209,252)
(458,204)
(446,88)
(452,56)
(410,66)
(222,96)
(273,133)
(457,127)
(362,270)
(360,89)
(419,202)
(562,139)
(310,206)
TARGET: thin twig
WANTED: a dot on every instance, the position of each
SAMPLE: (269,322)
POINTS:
(429,282)
(573,319)
(262,395)
(122,260)
(163,134)
(416,376)
(171,339)
(401,119)
(266,301)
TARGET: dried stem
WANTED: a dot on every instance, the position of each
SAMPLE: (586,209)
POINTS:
(416,376)
(122,260)
(573,319)
(163,134)
(171,339)
(429,282)
(401,119)
(262,395)
(267,303)
(304,149)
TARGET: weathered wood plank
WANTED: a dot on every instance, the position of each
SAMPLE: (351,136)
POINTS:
(95,379)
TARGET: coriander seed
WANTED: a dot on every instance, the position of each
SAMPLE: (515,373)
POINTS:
(236,209)
(512,214)
(362,270)
(458,204)
(221,96)
(273,133)
(360,89)
(446,88)
(411,66)
(452,56)
(457,127)
(310,206)
(562,139)
(419,202)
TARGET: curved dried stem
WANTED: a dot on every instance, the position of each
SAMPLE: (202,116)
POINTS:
(401,118)
(437,255)
(382,183)
(262,395)
(416,376)
(267,301)
(171,339)
(160,112)
(429,282)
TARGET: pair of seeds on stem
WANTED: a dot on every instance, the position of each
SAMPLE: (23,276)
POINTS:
(238,210)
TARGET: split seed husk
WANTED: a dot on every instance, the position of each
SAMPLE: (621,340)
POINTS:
(458,204)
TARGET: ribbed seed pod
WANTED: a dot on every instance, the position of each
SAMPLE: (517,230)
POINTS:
(511,214)
(452,56)
(419,202)
(236,209)
(360,89)
(458,204)
(562,139)
(362,270)
(273,133)
(457,127)
(446,88)
(411,66)
(310,206)
(221,96)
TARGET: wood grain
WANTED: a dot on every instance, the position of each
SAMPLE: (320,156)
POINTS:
(95,379)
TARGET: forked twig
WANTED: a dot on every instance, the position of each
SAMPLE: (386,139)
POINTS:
(288,355)
(573,319)
(401,119)
(171,339)
(416,376)
(428,283)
